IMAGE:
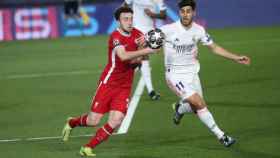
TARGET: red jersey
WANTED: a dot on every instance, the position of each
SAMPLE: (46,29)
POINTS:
(120,73)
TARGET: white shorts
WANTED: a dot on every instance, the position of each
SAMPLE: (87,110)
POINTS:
(184,85)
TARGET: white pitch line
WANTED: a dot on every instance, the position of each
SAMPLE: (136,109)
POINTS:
(132,106)
(40,138)
(50,74)
(45,138)
(10,140)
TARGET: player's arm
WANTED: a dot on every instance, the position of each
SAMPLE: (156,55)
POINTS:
(160,15)
(129,55)
(141,42)
(216,49)
(162,8)
(127,3)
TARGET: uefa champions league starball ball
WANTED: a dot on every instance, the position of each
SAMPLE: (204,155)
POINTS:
(155,38)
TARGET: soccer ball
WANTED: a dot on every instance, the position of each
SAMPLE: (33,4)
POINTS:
(155,38)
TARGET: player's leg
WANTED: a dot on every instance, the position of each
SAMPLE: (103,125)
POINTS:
(183,106)
(191,87)
(91,119)
(119,103)
(98,108)
(207,118)
(87,120)
(103,133)
(198,104)
(66,9)
(204,114)
(76,15)
(180,108)
(176,83)
(146,74)
(67,14)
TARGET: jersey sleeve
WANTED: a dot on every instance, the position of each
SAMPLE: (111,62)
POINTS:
(115,41)
(205,38)
(161,5)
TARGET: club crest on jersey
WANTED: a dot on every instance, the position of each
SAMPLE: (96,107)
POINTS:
(176,40)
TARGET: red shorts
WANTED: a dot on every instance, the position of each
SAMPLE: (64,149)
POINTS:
(110,98)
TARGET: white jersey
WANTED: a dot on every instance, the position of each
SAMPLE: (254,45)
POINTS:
(180,47)
(141,20)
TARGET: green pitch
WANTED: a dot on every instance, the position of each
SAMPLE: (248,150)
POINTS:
(43,82)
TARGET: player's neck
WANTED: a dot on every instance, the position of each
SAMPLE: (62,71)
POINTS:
(187,26)
(123,32)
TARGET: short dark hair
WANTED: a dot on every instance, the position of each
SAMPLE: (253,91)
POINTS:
(122,9)
(183,3)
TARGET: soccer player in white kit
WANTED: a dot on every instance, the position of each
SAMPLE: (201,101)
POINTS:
(182,67)
(145,12)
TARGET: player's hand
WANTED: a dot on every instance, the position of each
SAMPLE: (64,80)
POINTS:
(141,42)
(243,60)
(149,12)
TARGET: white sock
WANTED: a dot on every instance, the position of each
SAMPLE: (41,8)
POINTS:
(146,74)
(206,117)
(185,108)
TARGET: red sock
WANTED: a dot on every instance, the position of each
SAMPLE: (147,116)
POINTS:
(101,135)
(78,121)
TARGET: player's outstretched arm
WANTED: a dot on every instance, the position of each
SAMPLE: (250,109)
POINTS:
(160,15)
(125,4)
(241,59)
(128,55)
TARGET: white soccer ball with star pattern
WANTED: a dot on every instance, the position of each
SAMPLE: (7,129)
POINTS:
(155,38)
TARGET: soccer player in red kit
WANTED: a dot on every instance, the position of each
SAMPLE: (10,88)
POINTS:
(113,91)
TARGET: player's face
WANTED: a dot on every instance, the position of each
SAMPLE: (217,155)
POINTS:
(126,21)
(186,14)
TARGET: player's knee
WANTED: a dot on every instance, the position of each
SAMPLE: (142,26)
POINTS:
(200,104)
(115,122)
(196,101)
(93,121)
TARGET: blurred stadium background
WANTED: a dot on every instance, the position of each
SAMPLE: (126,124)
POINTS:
(44,81)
